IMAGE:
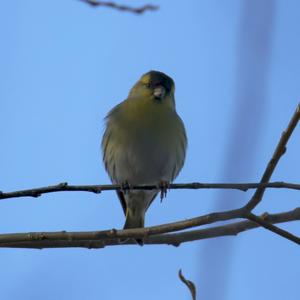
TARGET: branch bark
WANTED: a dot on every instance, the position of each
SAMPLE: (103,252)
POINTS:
(101,239)
(283,233)
(97,189)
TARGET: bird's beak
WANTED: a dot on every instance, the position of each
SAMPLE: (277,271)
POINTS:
(159,92)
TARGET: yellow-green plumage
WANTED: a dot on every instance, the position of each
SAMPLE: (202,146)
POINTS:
(144,142)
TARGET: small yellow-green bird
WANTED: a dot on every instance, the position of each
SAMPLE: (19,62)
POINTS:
(144,143)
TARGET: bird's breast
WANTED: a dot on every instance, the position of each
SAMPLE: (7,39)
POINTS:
(144,143)
(147,150)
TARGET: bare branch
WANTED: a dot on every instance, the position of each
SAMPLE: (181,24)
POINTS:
(232,229)
(190,285)
(136,10)
(283,233)
(157,234)
(101,239)
(279,151)
(257,197)
(136,233)
(97,189)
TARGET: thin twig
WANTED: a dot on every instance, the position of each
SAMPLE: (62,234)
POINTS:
(279,151)
(97,189)
(94,240)
(190,284)
(258,195)
(121,7)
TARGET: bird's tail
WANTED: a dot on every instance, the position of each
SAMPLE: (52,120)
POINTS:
(135,218)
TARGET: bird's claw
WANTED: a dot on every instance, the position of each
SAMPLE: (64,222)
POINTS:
(163,186)
(140,242)
(125,187)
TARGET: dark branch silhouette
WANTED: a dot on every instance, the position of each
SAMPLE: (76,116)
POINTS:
(121,7)
(190,285)
(97,189)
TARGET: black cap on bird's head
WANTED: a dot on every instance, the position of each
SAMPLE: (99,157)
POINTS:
(160,83)
(158,78)
(154,85)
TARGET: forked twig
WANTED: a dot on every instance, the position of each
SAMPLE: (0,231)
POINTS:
(279,151)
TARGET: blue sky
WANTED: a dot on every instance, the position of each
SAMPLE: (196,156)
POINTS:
(64,65)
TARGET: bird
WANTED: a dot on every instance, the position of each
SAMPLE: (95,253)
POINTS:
(144,143)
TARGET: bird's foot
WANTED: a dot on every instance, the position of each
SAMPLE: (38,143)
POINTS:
(163,186)
(125,187)
(140,242)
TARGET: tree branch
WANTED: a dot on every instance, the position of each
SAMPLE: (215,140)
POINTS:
(97,189)
(279,151)
(101,239)
(136,10)
(157,234)
(283,233)
(136,233)
(232,229)
(258,195)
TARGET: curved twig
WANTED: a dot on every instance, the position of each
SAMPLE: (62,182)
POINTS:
(190,284)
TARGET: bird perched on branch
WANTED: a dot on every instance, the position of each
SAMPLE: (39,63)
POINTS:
(144,143)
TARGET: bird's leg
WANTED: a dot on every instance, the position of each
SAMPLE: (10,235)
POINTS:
(125,187)
(163,186)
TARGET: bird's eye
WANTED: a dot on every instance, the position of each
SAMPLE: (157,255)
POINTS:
(148,85)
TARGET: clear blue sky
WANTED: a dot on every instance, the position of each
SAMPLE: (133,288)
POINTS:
(63,65)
